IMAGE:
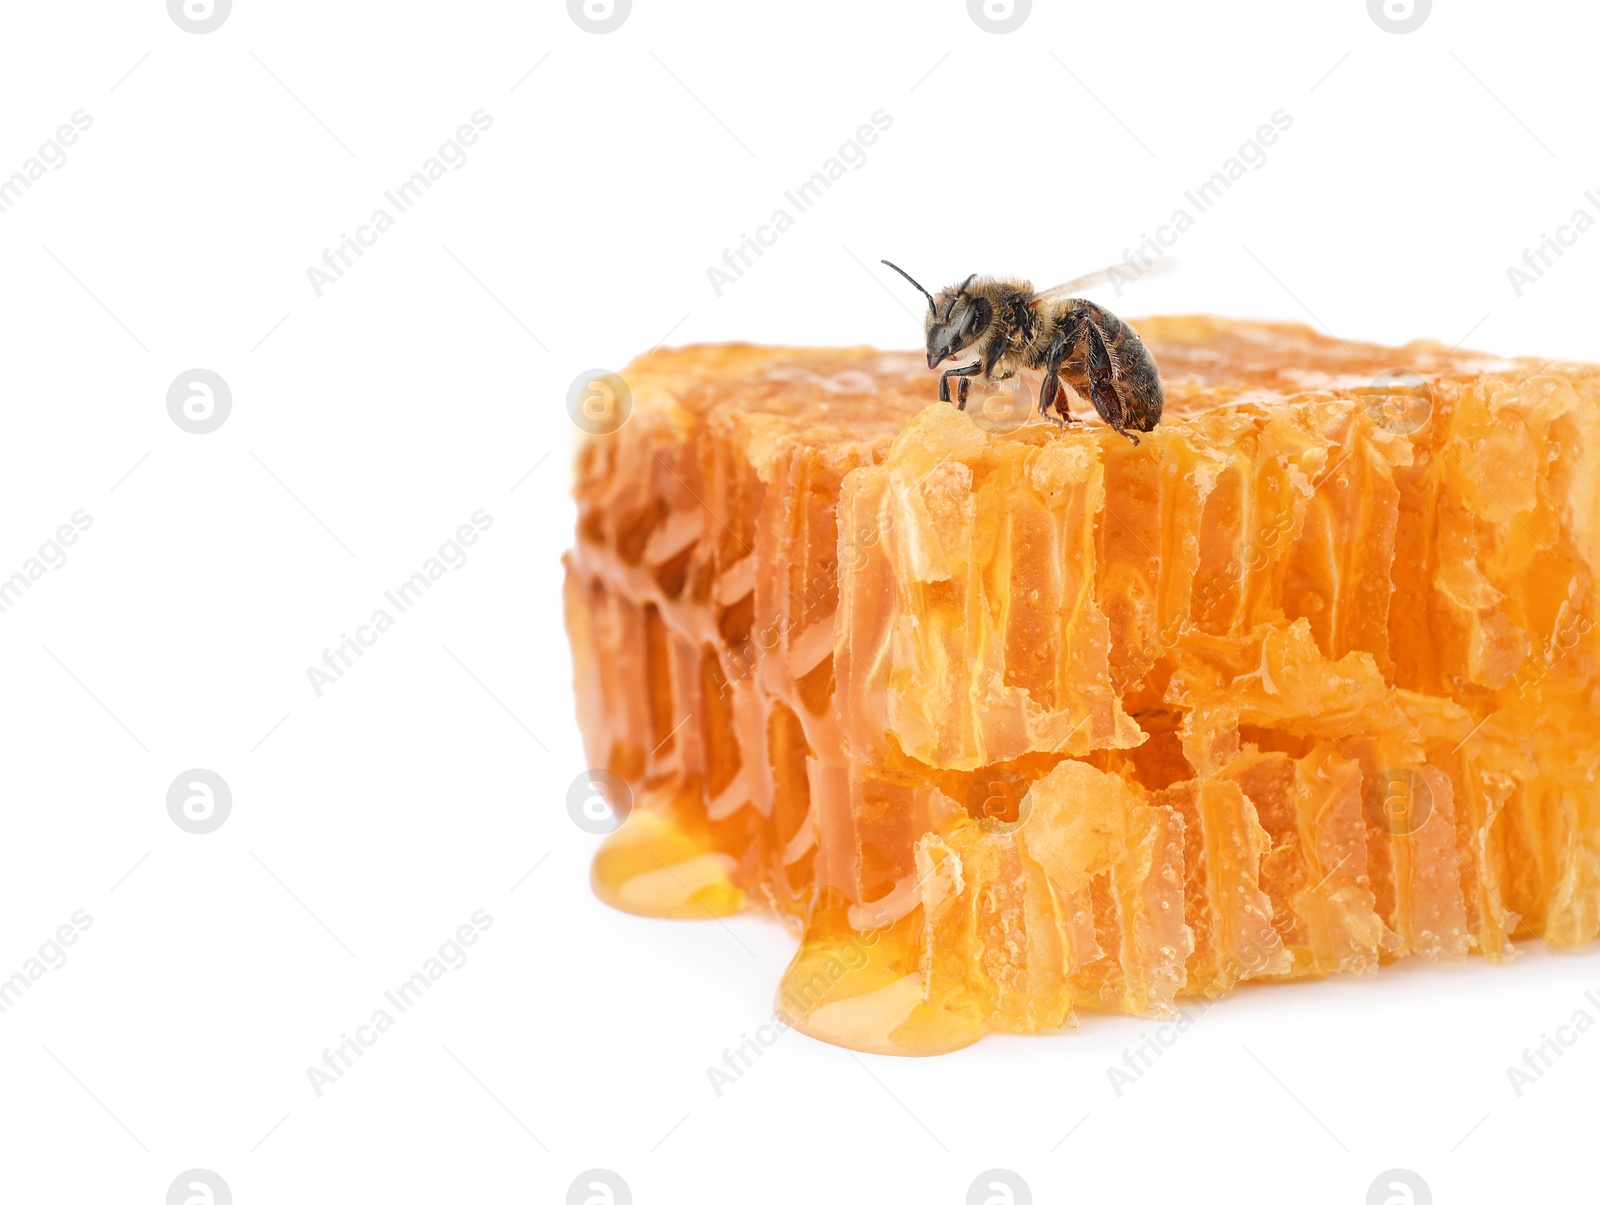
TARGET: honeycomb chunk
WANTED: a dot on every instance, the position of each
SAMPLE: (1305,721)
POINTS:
(1011,722)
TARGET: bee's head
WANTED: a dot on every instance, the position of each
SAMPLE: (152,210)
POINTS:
(956,319)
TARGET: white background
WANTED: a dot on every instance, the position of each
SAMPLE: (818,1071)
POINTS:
(370,422)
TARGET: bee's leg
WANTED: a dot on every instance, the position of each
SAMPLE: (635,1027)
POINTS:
(1049,389)
(1050,395)
(965,370)
(961,393)
(1102,380)
(992,357)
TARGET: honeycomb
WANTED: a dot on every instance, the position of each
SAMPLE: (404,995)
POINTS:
(1008,721)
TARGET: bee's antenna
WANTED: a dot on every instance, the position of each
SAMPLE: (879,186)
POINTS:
(919,288)
(952,307)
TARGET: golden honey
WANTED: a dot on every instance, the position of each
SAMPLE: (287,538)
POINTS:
(1008,721)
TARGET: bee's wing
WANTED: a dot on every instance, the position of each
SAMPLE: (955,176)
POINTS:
(1123,273)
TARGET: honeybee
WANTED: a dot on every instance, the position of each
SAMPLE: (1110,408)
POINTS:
(1010,327)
